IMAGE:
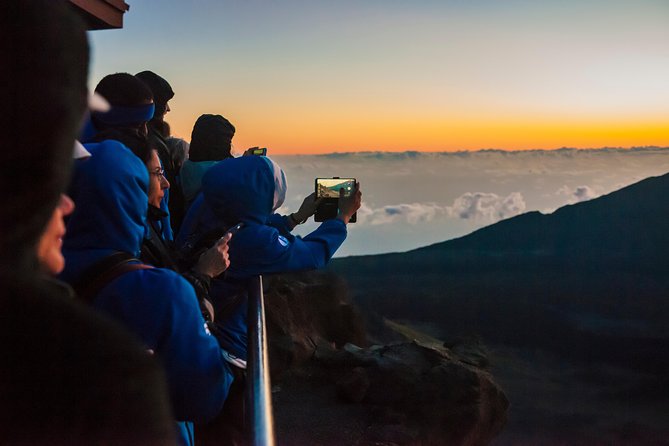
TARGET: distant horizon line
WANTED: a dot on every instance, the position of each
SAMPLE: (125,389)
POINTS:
(413,152)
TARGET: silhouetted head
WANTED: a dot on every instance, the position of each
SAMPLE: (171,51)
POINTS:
(162,92)
(130,99)
(123,89)
(211,139)
(44,54)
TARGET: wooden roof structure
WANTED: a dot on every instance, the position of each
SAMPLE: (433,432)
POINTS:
(101,14)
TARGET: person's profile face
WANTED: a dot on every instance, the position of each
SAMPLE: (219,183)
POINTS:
(49,247)
(161,110)
(157,181)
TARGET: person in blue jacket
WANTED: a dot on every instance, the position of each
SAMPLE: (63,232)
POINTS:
(132,107)
(159,306)
(248,190)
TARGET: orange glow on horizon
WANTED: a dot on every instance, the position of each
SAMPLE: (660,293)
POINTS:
(288,135)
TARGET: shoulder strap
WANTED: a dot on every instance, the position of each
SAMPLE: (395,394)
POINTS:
(101,273)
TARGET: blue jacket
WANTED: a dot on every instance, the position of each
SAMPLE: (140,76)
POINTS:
(88,133)
(158,305)
(249,189)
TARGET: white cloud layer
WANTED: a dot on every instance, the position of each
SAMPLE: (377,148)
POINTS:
(584,193)
(486,207)
(478,207)
(411,213)
(577,194)
(413,199)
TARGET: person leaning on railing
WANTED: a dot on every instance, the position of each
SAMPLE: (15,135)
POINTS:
(156,304)
(249,189)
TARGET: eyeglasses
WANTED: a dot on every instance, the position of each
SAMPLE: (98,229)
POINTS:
(159,173)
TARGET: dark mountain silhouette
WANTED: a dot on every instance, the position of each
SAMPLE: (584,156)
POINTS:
(587,286)
(628,226)
(589,264)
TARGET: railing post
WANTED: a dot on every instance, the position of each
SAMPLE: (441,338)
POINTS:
(259,394)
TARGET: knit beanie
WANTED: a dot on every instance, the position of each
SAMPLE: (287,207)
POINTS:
(162,90)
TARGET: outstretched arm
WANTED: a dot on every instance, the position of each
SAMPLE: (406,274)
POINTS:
(307,209)
(286,223)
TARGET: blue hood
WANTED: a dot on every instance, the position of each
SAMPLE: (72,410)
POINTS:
(245,189)
(111,198)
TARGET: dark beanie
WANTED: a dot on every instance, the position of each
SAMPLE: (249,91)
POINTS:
(211,138)
(162,90)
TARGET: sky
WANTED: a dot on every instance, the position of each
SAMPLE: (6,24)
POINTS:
(315,77)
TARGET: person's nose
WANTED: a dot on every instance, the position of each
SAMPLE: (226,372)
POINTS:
(66,205)
(164,184)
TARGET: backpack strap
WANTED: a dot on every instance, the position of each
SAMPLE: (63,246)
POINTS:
(102,273)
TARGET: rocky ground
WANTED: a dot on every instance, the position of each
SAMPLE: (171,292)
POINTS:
(331,387)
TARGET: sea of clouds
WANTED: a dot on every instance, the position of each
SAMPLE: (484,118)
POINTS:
(413,199)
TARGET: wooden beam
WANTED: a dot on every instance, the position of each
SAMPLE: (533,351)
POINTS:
(102,14)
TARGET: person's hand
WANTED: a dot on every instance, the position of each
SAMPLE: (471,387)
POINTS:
(349,205)
(215,260)
(307,208)
(249,151)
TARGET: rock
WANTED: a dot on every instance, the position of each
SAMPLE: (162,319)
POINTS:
(304,312)
(445,398)
(352,387)
(462,405)
(470,350)
(390,435)
(342,391)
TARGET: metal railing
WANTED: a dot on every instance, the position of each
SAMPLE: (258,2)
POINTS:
(259,393)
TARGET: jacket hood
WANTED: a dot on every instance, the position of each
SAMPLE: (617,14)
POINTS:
(111,197)
(211,139)
(245,189)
